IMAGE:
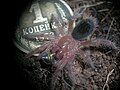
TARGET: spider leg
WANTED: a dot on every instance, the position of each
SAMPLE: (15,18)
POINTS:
(98,42)
(38,50)
(86,58)
(60,26)
(67,57)
(60,64)
(46,51)
(78,13)
(86,43)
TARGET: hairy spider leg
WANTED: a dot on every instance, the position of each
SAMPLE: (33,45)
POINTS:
(38,50)
(86,58)
(96,42)
(60,26)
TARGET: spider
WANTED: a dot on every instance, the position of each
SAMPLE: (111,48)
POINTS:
(65,46)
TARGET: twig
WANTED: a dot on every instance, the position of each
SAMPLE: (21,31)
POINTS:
(107,14)
(65,80)
(106,83)
(66,83)
(118,52)
(108,52)
(85,7)
(96,4)
(103,10)
(88,5)
(54,81)
(110,28)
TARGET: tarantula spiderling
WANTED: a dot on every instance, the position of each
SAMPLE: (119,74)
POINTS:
(64,46)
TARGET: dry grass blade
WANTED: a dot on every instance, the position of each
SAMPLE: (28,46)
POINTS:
(107,14)
(106,83)
(103,10)
(96,4)
(109,28)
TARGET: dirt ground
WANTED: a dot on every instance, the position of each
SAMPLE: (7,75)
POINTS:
(77,75)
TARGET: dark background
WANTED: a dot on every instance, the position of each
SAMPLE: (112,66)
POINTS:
(12,77)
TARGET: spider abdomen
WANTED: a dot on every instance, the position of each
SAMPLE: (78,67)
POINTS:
(83,29)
